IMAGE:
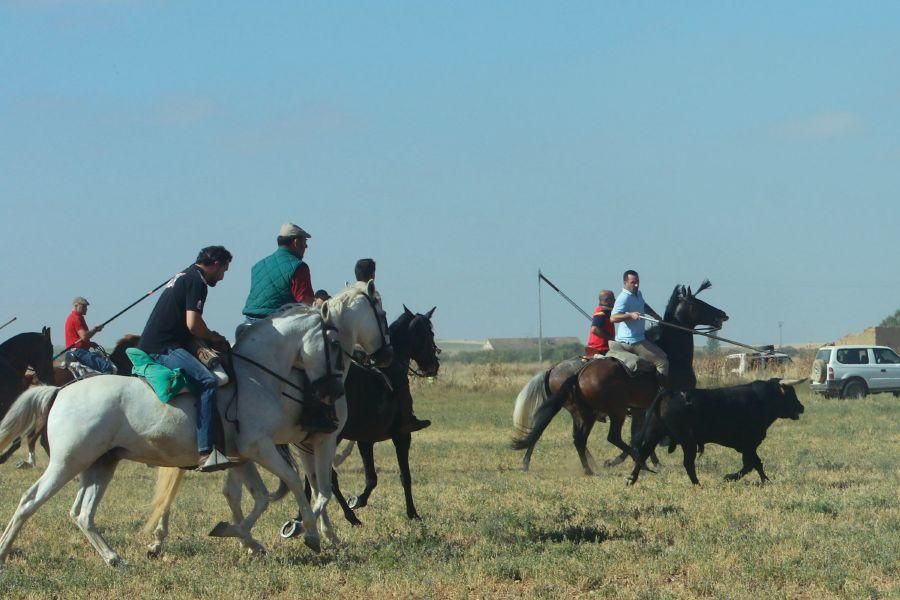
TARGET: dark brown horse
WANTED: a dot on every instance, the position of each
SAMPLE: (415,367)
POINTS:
(373,409)
(17,354)
(61,376)
(602,387)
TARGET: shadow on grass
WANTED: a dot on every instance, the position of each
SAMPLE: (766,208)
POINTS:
(578,534)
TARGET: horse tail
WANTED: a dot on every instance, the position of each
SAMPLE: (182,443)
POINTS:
(528,401)
(285,451)
(545,413)
(652,414)
(168,480)
(28,410)
(341,456)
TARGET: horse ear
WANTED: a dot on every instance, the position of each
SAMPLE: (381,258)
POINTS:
(370,288)
(46,332)
(430,312)
(682,292)
(704,286)
(689,292)
(323,310)
(406,311)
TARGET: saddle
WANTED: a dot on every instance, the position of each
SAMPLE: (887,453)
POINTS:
(632,364)
(80,370)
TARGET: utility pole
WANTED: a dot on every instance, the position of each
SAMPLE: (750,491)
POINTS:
(780,344)
(540,323)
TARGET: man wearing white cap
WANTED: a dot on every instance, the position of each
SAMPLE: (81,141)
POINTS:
(283,278)
(79,337)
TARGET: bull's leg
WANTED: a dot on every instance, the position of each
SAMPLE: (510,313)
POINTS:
(366,452)
(402,442)
(689,447)
(583,420)
(616,422)
(757,464)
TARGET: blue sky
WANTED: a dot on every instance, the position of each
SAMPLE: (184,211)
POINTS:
(463,145)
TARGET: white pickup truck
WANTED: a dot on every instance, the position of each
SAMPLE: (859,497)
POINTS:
(855,371)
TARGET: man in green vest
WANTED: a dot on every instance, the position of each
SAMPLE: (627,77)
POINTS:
(283,278)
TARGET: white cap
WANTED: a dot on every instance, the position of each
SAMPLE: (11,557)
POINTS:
(291,230)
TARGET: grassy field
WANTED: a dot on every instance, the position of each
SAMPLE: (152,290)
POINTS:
(827,526)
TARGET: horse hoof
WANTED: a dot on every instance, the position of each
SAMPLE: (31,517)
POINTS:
(117,561)
(291,529)
(354,502)
(223,529)
(629,481)
(24,464)
(154,551)
(313,543)
(256,550)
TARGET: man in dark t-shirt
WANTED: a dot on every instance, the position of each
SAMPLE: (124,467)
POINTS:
(178,317)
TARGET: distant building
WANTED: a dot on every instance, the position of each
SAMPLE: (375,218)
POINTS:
(873,336)
(528,343)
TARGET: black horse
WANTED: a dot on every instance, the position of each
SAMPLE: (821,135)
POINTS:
(25,350)
(375,399)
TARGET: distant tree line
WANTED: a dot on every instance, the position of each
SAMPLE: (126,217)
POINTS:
(554,354)
(892,321)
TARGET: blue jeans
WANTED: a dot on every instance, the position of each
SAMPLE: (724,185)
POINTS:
(93,360)
(179,358)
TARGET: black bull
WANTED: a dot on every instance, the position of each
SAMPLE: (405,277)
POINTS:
(736,417)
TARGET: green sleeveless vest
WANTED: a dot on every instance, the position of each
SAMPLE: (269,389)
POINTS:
(270,283)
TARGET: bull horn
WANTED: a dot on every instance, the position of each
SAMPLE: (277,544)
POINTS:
(793,382)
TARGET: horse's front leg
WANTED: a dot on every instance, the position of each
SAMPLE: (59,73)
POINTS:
(367,453)
(402,442)
(342,502)
(269,458)
(318,474)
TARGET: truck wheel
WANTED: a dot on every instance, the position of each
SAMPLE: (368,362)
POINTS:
(819,371)
(854,389)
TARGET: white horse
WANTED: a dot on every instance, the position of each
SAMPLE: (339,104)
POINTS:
(95,423)
(317,456)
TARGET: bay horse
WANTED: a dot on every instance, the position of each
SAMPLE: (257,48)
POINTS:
(95,423)
(374,414)
(61,377)
(603,387)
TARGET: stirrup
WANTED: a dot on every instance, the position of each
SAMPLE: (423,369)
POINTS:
(216,461)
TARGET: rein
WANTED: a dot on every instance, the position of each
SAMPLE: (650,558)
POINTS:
(704,333)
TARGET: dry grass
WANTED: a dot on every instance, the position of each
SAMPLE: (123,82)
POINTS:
(828,525)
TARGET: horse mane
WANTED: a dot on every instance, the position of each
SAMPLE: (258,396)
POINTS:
(674,299)
(130,339)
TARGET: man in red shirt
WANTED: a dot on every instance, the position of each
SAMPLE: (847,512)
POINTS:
(602,329)
(78,335)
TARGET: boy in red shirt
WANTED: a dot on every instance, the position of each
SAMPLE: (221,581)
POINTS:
(602,329)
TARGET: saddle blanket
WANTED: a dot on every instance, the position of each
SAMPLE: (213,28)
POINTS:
(165,382)
(632,363)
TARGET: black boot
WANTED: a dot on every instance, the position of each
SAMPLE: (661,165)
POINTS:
(318,417)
